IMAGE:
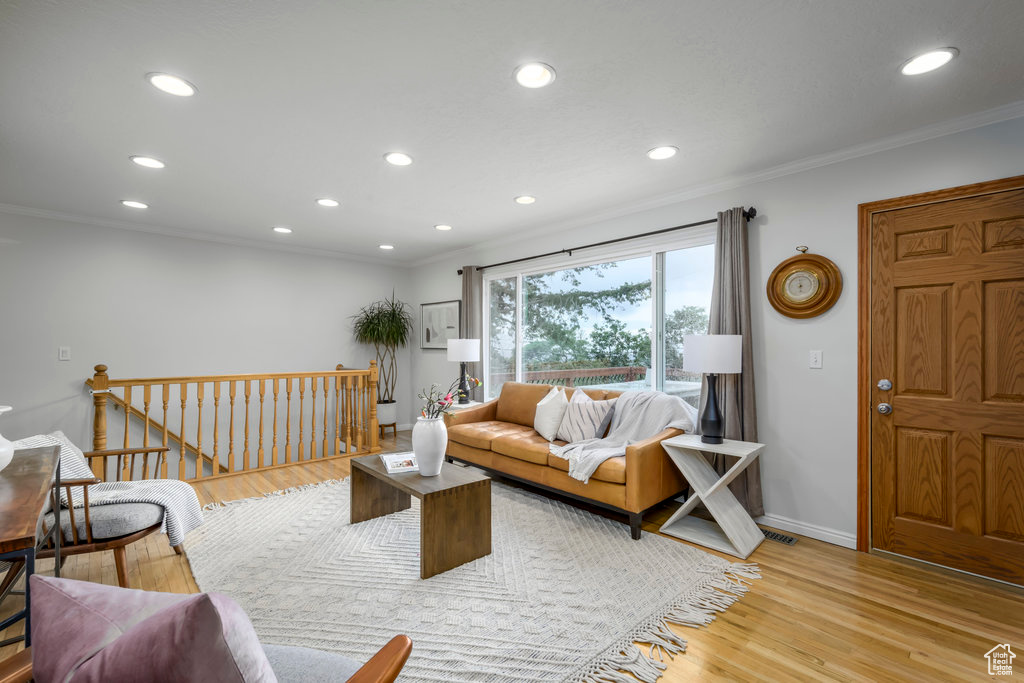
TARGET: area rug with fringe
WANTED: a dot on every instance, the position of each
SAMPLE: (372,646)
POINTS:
(563,596)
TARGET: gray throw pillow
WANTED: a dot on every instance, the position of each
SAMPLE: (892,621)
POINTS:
(585,418)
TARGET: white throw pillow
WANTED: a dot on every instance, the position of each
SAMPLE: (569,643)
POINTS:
(585,418)
(550,411)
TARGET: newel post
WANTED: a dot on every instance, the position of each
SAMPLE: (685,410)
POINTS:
(374,427)
(100,386)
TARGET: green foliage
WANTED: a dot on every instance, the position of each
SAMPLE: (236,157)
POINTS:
(554,322)
(387,324)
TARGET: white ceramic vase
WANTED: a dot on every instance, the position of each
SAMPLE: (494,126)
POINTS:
(7,448)
(429,441)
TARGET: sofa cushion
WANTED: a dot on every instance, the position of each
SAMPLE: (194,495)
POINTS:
(480,434)
(294,664)
(596,394)
(529,446)
(612,470)
(517,402)
(549,413)
(585,418)
(102,633)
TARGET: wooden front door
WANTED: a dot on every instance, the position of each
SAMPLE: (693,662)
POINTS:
(946,316)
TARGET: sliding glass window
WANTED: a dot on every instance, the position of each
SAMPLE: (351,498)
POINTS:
(615,322)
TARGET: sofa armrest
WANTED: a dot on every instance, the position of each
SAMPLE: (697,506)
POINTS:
(651,477)
(480,413)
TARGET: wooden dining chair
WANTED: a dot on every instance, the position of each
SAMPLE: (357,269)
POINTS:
(93,529)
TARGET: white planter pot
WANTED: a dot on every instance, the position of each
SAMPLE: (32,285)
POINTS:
(429,441)
(387,413)
(7,448)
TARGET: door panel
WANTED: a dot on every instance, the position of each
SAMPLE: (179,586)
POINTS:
(947,327)
(923,483)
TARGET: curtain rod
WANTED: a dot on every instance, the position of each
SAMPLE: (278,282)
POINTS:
(747,213)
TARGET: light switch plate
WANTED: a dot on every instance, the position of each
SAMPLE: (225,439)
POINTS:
(814,362)
(63,353)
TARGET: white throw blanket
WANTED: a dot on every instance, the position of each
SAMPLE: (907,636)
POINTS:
(182,512)
(638,416)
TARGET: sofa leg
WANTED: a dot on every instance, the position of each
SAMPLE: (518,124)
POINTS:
(635,518)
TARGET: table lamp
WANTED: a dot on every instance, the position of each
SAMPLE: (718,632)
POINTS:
(713,355)
(463,351)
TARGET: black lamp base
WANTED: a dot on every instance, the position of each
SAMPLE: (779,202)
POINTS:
(463,385)
(712,424)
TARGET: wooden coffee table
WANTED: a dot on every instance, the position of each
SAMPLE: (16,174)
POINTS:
(455,510)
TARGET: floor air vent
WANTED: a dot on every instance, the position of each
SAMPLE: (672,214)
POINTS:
(776,536)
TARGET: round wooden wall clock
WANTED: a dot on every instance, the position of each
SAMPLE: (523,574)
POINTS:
(805,285)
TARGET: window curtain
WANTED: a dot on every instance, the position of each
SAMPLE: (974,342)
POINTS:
(472,317)
(730,314)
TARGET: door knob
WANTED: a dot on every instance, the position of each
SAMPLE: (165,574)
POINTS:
(884,408)
(884,384)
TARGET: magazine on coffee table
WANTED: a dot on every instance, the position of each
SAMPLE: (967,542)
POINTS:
(400,462)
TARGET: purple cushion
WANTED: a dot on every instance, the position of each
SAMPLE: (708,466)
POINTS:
(105,633)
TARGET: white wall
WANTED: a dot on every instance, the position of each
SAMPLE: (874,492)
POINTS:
(148,305)
(807,417)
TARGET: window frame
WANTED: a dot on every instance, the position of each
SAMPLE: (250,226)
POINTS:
(652,247)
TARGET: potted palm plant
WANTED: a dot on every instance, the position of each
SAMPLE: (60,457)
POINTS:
(387,324)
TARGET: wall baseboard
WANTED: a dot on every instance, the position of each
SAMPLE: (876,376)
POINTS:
(833,536)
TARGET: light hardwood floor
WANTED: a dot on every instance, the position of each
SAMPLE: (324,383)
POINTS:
(819,612)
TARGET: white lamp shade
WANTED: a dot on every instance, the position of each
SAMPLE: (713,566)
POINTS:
(713,353)
(464,350)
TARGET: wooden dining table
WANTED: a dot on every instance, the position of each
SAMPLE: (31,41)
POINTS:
(26,484)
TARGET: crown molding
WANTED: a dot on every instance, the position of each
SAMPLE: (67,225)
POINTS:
(191,235)
(1005,112)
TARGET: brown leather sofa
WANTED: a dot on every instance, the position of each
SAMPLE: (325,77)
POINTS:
(498,436)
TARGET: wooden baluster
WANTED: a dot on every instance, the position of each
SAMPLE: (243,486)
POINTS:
(274,452)
(147,395)
(183,388)
(372,400)
(126,474)
(337,413)
(216,427)
(349,417)
(324,452)
(199,431)
(288,421)
(302,396)
(245,450)
(166,402)
(231,426)
(312,417)
(259,451)
(359,415)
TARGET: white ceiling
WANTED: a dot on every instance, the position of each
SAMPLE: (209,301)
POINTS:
(300,99)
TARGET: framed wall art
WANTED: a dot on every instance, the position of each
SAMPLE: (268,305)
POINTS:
(439,322)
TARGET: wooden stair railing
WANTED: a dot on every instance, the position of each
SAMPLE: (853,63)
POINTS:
(341,418)
(171,434)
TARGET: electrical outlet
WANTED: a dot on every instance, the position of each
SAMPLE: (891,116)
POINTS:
(815,360)
(63,353)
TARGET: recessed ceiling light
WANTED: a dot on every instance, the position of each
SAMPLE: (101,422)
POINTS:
(525,199)
(398,158)
(442,227)
(132,204)
(283,230)
(171,84)
(659,153)
(387,247)
(327,202)
(148,162)
(929,61)
(534,75)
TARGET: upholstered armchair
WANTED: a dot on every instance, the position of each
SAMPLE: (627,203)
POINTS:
(93,632)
